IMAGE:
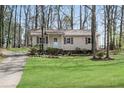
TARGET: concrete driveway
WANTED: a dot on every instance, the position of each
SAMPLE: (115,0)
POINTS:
(11,69)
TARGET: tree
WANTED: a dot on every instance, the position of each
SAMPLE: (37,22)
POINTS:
(36,16)
(15,28)
(81,18)
(111,27)
(85,18)
(108,11)
(114,26)
(26,12)
(1,25)
(9,26)
(72,13)
(42,30)
(66,22)
(58,20)
(105,27)
(121,26)
(19,41)
(93,31)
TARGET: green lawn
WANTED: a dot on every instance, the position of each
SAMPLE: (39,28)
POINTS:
(73,72)
(19,49)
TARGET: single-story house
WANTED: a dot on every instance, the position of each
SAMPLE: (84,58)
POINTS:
(64,39)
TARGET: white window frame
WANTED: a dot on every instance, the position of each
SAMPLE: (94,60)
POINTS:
(68,40)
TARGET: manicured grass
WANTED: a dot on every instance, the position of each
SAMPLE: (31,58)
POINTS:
(19,49)
(73,72)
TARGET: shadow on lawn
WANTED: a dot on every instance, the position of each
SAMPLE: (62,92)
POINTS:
(77,66)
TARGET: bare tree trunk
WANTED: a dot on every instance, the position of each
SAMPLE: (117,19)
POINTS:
(105,27)
(9,27)
(58,20)
(42,31)
(51,18)
(48,17)
(30,23)
(81,18)
(72,12)
(93,31)
(111,27)
(36,16)
(26,12)
(14,45)
(114,26)
(19,42)
(1,25)
(85,17)
(121,26)
(108,10)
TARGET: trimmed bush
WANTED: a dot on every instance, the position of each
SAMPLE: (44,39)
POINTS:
(33,51)
(85,51)
(53,51)
(77,50)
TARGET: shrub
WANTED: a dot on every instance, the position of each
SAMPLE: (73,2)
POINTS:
(85,51)
(115,52)
(36,46)
(100,54)
(53,51)
(33,51)
(77,50)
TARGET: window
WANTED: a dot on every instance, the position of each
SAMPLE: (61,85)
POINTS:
(88,40)
(68,40)
(55,39)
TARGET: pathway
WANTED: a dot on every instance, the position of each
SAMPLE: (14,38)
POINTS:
(11,70)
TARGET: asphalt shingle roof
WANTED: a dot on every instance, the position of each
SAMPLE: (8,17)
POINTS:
(63,32)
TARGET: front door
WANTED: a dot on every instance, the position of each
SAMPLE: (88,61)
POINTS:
(55,43)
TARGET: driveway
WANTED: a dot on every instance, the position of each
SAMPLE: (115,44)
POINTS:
(11,70)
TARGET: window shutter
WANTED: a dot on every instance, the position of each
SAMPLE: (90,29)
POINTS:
(46,40)
(71,40)
(64,40)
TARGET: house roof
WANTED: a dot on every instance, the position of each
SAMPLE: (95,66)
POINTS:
(63,32)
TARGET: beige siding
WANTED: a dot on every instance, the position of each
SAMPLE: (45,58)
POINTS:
(34,40)
(77,42)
